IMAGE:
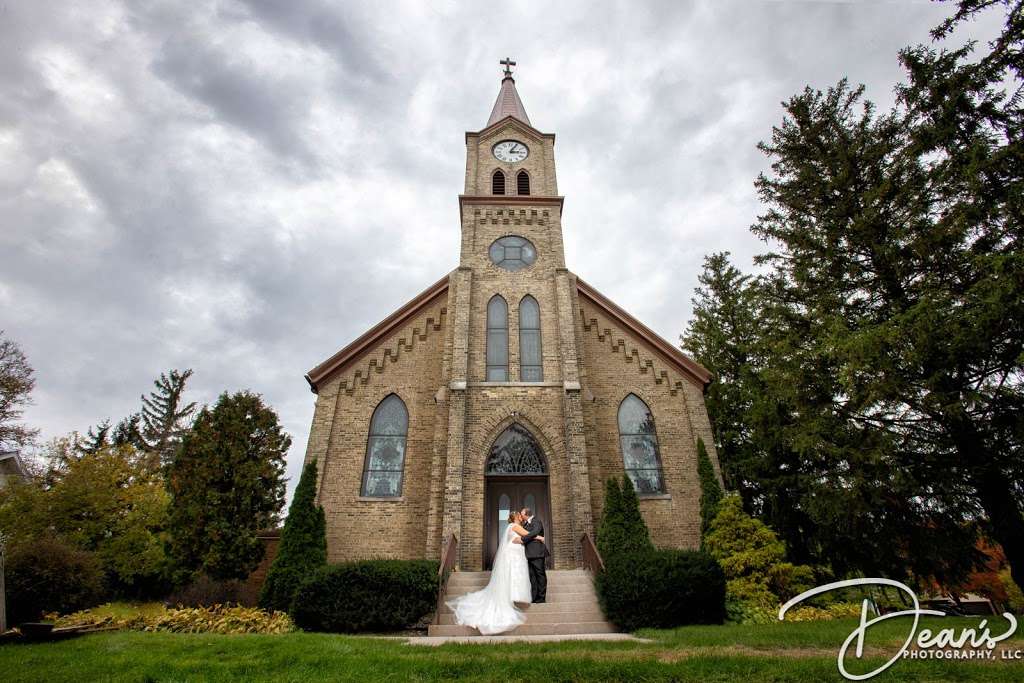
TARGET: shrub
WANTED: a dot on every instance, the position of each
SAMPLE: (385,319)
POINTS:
(710,490)
(643,587)
(303,545)
(368,596)
(622,530)
(753,559)
(662,589)
(48,575)
(204,591)
(610,529)
(222,619)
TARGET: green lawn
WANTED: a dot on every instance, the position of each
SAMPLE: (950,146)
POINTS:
(780,652)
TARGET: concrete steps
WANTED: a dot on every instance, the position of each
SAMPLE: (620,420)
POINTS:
(571,608)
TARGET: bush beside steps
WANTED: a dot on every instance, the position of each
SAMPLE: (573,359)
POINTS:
(372,596)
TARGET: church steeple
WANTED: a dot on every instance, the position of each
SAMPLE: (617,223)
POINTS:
(508,102)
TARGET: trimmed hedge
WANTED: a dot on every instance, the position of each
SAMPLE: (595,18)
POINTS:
(662,589)
(369,596)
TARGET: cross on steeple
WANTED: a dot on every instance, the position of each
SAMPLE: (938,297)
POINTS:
(508,64)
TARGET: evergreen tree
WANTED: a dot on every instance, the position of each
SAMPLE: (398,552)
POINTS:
(636,537)
(880,409)
(226,485)
(710,489)
(303,545)
(610,531)
(127,433)
(96,439)
(722,336)
(164,419)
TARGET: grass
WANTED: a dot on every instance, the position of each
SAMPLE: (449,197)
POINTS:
(779,652)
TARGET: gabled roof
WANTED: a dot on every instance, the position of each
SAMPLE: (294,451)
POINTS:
(508,104)
(380,331)
(689,368)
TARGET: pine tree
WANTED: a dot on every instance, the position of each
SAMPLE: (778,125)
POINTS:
(885,415)
(164,419)
(226,485)
(710,489)
(303,545)
(723,336)
(96,439)
(127,433)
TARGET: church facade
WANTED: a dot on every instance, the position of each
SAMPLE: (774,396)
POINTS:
(509,382)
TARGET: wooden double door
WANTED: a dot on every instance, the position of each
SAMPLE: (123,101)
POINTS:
(506,494)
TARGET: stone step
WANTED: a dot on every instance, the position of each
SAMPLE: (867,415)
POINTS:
(538,617)
(481,581)
(553,574)
(528,629)
(551,607)
(583,595)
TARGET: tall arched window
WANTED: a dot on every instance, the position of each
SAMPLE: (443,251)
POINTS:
(531,368)
(497,340)
(639,442)
(523,183)
(498,182)
(385,449)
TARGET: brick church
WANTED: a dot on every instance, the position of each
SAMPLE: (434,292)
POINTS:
(509,382)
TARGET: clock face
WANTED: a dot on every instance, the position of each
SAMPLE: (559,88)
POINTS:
(510,151)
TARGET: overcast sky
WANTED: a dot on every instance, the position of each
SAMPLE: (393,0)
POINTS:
(242,188)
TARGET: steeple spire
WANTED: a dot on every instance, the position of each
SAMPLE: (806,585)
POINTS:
(508,102)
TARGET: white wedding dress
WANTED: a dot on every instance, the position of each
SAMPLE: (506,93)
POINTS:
(492,609)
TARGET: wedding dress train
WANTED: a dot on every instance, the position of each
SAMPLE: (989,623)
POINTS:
(492,609)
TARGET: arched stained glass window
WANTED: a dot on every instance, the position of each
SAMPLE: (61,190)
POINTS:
(531,368)
(515,452)
(639,441)
(385,449)
(523,183)
(497,339)
(498,182)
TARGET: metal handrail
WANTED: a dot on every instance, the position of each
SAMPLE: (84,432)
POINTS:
(449,555)
(591,557)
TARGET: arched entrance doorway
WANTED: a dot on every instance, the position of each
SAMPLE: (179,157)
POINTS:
(516,476)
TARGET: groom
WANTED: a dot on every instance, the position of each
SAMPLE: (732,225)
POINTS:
(536,554)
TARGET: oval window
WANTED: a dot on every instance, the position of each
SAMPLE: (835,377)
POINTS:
(513,253)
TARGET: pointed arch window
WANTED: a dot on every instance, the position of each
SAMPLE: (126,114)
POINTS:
(531,368)
(497,339)
(515,451)
(385,449)
(498,182)
(523,183)
(639,441)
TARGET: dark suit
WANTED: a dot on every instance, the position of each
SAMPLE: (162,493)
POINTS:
(536,556)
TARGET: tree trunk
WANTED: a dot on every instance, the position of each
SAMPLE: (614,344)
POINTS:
(1004,515)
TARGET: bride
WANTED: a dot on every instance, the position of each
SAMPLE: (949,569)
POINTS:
(492,609)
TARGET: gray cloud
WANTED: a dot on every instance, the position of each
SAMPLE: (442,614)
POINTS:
(244,187)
